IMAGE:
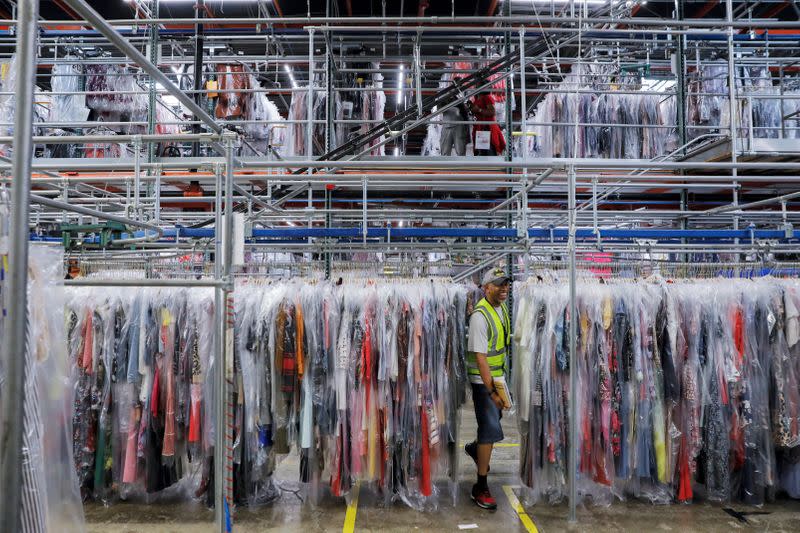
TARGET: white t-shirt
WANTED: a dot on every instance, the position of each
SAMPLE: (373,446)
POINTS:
(479,336)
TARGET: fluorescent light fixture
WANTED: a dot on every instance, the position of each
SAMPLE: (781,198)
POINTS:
(207,1)
(560,2)
(400,83)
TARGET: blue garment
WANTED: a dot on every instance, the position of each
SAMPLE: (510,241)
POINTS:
(133,345)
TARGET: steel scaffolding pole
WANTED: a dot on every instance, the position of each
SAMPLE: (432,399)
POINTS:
(229,322)
(572,461)
(219,369)
(15,345)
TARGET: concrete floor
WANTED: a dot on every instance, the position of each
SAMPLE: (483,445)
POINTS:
(289,514)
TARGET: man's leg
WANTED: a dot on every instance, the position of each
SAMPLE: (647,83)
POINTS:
(460,140)
(484,457)
(446,141)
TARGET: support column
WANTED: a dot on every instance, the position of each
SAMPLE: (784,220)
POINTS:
(14,341)
(219,368)
(509,170)
(198,69)
(734,116)
(153,103)
(310,99)
(572,462)
(680,96)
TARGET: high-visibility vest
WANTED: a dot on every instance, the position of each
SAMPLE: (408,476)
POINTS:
(499,337)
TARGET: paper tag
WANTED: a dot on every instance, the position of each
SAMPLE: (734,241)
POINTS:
(483,140)
(347,109)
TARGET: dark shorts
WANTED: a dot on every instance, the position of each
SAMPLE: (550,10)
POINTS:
(487,414)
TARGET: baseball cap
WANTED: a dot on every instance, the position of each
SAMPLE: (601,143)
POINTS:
(495,275)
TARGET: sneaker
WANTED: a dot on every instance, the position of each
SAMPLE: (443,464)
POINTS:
(483,498)
(471,449)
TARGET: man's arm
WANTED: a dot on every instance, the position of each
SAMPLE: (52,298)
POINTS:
(486,377)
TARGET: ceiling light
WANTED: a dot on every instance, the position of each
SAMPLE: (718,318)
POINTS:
(589,2)
(400,85)
(206,1)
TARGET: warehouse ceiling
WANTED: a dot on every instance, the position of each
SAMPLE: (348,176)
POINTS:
(292,42)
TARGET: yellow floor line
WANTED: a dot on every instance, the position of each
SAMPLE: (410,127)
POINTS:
(523,516)
(352,509)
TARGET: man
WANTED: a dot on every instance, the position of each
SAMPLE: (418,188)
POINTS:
(483,108)
(489,336)
(454,135)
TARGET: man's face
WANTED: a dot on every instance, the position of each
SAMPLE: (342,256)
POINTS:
(496,294)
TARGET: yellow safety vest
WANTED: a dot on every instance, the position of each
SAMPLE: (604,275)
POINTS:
(499,338)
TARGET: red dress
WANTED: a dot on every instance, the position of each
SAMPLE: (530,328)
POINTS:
(484,111)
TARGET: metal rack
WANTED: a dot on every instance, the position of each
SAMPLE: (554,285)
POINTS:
(726,194)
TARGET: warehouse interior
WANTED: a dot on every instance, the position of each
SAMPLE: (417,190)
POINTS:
(243,242)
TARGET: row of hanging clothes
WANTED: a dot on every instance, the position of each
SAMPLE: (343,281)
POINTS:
(362,380)
(708,103)
(111,96)
(622,125)
(42,108)
(115,96)
(239,98)
(682,385)
(49,496)
(296,143)
(362,99)
(141,359)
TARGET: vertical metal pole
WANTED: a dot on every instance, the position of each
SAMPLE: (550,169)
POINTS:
(137,176)
(509,170)
(573,372)
(310,98)
(228,324)
(310,115)
(783,109)
(328,135)
(198,69)
(364,208)
(733,114)
(152,108)
(157,192)
(219,368)
(328,194)
(14,340)
(680,96)
(310,207)
(524,141)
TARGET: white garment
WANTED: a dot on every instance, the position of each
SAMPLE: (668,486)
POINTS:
(792,327)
